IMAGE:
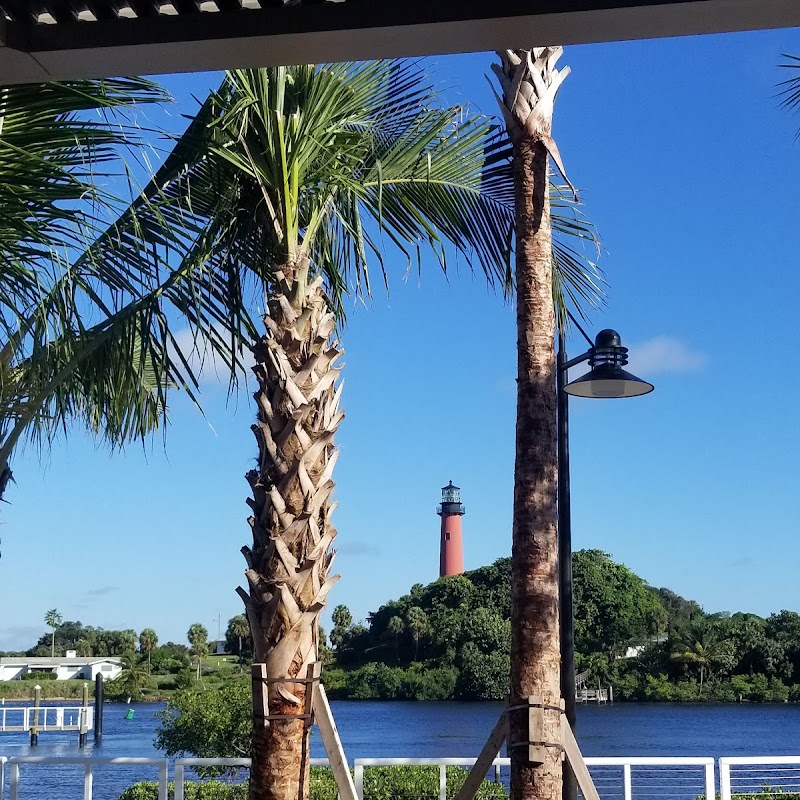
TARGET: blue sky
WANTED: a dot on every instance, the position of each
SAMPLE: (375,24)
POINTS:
(692,174)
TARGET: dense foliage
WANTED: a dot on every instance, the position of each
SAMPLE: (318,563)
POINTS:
(450,639)
(380,783)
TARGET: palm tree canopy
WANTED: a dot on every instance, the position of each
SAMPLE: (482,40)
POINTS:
(789,89)
(52,618)
(320,169)
(77,341)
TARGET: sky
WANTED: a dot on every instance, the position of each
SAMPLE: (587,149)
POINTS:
(691,173)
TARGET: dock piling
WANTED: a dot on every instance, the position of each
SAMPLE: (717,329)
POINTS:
(84,719)
(37,701)
(98,708)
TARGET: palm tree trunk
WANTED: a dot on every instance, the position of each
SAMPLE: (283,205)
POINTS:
(535,655)
(290,558)
(53,643)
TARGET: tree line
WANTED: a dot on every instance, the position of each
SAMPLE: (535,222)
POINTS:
(451,639)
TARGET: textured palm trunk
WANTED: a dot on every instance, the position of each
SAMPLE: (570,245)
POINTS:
(290,557)
(529,83)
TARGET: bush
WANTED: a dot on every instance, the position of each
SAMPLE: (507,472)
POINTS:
(38,676)
(380,783)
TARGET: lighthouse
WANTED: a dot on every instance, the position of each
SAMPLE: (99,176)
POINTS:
(451,547)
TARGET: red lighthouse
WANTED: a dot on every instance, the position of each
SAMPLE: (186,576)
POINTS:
(451,547)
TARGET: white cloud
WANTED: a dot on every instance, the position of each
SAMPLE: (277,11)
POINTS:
(207,365)
(664,354)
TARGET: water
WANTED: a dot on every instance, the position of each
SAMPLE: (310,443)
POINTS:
(372,729)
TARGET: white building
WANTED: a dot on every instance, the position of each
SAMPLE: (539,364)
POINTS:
(63,667)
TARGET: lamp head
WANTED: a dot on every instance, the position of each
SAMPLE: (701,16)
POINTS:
(606,377)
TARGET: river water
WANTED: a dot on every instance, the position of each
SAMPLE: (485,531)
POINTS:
(382,729)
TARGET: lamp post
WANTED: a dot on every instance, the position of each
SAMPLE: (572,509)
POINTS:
(605,379)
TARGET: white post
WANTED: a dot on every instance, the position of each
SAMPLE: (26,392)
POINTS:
(2,775)
(163,779)
(711,792)
(626,782)
(358,779)
(14,786)
(178,781)
(724,779)
(442,782)
(59,718)
(87,782)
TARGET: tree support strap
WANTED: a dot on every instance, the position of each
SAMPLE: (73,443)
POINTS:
(536,742)
(568,745)
(260,679)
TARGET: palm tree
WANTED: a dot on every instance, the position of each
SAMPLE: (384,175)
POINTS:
(148,639)
(198,639)
(418,626)
(239,628)
(286,184)
(133,679)
(396,627)
(790,88)
(702,646)
(53,619)
(530,81)
(54,367)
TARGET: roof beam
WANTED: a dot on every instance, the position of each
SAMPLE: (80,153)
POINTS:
(355,29)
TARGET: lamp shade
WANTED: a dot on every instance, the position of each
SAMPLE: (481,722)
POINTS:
(607,378)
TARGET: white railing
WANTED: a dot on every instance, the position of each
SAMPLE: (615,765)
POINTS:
(88,765)
(765,776)
(243,763)
(653,778)
(50,718)
(2,775)
(659,778)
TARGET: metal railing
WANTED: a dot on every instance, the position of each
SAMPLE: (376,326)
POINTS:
(88,765)
(50,718)
(652,778)
(758,776)
(244,763)
(3,760)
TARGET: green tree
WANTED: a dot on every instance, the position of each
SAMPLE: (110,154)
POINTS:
(132,681)
(702,646)
(53,619)
(238,632)
(396,627)
(80,343)
(210,724)
(613,606)
(418,626)
(342,622)
(198,644)
(148,640)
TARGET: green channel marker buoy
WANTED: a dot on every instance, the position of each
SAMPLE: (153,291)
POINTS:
(130,714)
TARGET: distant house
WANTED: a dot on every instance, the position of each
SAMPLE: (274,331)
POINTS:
(66,667)
(218,647)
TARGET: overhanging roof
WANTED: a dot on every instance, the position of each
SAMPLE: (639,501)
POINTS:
(58,39)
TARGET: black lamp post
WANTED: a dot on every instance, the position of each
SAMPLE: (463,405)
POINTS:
(605,379)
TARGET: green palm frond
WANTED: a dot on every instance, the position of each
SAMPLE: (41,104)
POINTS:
(789,89)
(76,344)
(337,163)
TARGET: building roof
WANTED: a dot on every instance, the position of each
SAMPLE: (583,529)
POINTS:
(58,39)
(58,661)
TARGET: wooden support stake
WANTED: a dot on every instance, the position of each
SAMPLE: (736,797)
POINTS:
(258,674)
(333,745)
(312,677)
(488,754)
(537,753)
(575,759)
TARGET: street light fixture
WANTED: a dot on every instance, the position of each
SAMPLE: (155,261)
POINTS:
(605,379)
